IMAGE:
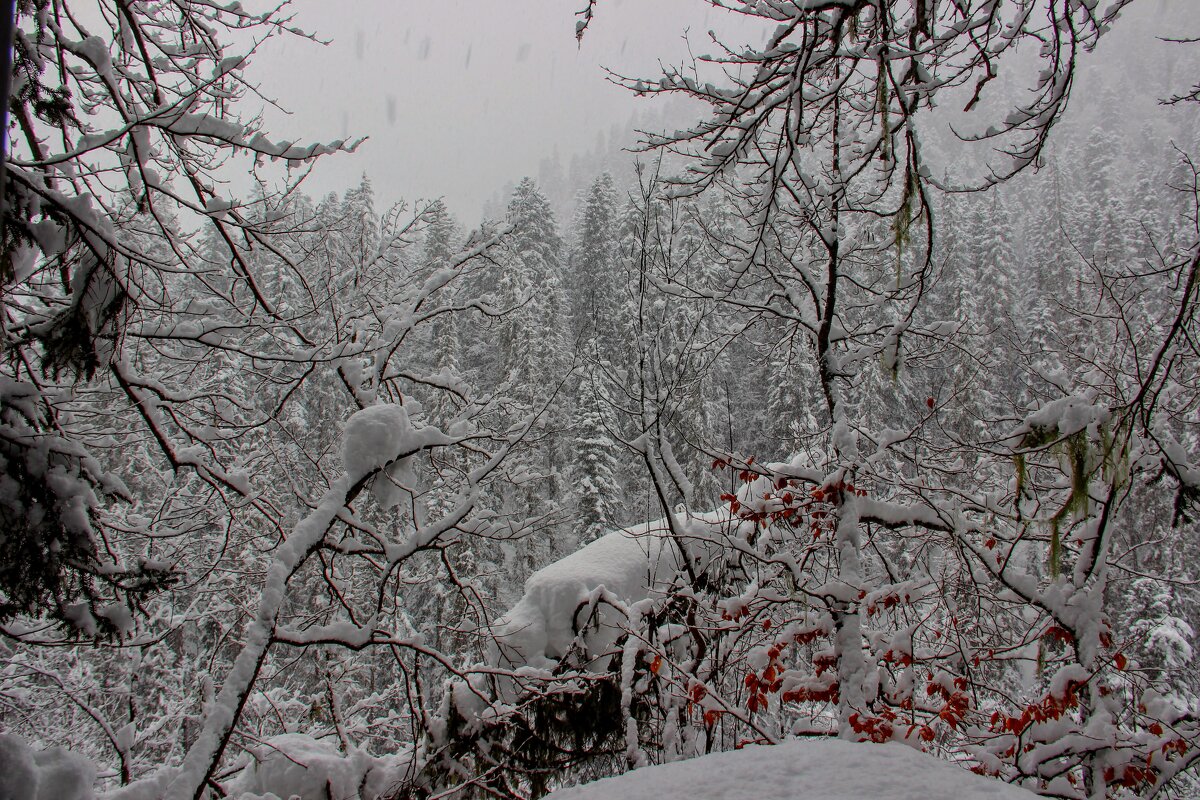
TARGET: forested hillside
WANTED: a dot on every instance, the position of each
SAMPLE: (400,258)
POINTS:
(865,406)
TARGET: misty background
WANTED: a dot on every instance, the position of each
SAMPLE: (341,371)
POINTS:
(461,99)
(429,506)
(458,98)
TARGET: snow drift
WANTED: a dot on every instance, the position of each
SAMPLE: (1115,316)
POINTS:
(298,765)
(52,774)
(801,770)
(619,568)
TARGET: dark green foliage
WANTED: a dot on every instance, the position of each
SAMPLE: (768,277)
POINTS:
(51,105)
(20,207)
(1075,449)
(595,467)
(79,337)
(52,565)
(552,738)
(1187,500)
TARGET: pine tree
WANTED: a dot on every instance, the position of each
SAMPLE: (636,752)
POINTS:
(535,360)
(439,245)
(535,341)
(594,486)
(793,396)
(592,280)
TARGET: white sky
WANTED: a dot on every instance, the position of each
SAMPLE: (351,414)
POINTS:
(459,96)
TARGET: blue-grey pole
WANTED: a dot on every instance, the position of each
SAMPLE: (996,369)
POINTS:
(7,25)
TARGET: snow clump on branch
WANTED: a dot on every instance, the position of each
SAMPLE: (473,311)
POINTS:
(383,437)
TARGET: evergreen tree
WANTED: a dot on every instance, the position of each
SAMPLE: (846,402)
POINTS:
(593,283)
(536,363)
(535,342)
(441,242)
(594,487)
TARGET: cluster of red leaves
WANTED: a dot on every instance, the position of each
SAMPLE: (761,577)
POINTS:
(873,729)
(1134,776)
(956,702)
(762,684)
(696,694)
(1056,633)
(1177,746)
(882,728)
(1131,776)
(746,474)
(823,661)
(735,614)
(835,492)
(901,659)
(830,694)
(1138,776)
(887,602)
(783,504)
(1048,708)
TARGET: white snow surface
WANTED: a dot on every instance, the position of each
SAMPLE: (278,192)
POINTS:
(623,565)
(293,764)
(52,774)
(801,770)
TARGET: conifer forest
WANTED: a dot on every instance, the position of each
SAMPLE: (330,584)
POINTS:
(836,420)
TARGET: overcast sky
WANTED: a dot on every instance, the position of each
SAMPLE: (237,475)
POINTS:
(459,96)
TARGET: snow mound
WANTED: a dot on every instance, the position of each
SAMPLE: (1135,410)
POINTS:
(18,772)
(52,774)
(581,599)
(622,565)
(373,437)
(293,764)
(801,770)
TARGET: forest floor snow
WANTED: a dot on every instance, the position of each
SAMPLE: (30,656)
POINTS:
(801,770)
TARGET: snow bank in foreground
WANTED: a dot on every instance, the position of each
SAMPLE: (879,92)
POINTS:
(625,564)
(53,774)
(297,765)
(801,770)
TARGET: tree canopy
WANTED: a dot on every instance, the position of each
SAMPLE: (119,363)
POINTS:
(862,408)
